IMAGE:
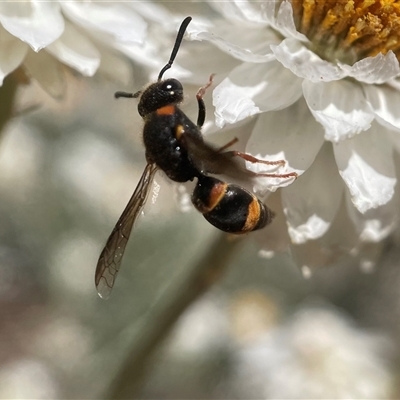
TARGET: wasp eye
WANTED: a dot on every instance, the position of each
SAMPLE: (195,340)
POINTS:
(171,86)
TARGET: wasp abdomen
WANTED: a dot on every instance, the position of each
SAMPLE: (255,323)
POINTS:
(230,207)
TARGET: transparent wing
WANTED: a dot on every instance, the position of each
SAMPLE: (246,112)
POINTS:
(111,256)
(209,159)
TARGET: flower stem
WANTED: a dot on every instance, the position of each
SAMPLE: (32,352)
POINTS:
(203,273)
(7,96)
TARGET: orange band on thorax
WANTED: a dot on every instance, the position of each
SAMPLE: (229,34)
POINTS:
(166,110)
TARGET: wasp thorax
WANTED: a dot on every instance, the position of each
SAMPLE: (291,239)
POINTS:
(160,94)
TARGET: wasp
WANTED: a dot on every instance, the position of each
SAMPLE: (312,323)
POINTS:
(175,145)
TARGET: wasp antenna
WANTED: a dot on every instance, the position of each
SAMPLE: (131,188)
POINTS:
(127,95)
(117,95)
(178,41)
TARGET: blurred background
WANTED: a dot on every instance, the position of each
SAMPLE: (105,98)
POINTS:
(262,330)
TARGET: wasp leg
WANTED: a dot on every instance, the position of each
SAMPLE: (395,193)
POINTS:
(252,159)
(229,144)
(281,176)
(202,107)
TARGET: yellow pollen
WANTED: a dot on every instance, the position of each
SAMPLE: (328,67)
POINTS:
(349,30)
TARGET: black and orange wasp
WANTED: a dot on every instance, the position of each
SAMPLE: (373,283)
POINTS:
(175,145)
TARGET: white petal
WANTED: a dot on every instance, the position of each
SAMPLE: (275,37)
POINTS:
(384,100)
(395,138)
(292,135)
(375,224)
(312,255)
(46,70)
(259,55)
(153,54)
(311,202)
(199,68)
(250,44)
(228,9)
(340,239)
(270,11)
(153,59)
(366,165)
(395,83)
(36,23)
(12,52)
(239,11)
(254,88)
(280,18)
(233,102)
(340,107)
(112,18)
(146,55)
(115,66)
(153,12)
(274,237)
(76,50)
(285,22)
(378,69)
(304,63)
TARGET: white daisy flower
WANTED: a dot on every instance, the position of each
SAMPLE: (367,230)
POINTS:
(39,36)
(322,78)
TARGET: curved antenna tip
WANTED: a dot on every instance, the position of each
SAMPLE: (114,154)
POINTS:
(178,42)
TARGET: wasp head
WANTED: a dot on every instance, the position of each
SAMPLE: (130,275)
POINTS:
(160,94)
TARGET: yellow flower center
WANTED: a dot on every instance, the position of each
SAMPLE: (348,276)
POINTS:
(349,30)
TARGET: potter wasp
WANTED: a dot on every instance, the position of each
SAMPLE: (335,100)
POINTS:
(175,145)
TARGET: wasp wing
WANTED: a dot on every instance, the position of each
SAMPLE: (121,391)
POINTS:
(209,159)
(111,256)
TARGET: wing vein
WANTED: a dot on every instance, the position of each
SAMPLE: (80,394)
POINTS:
(111,256)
